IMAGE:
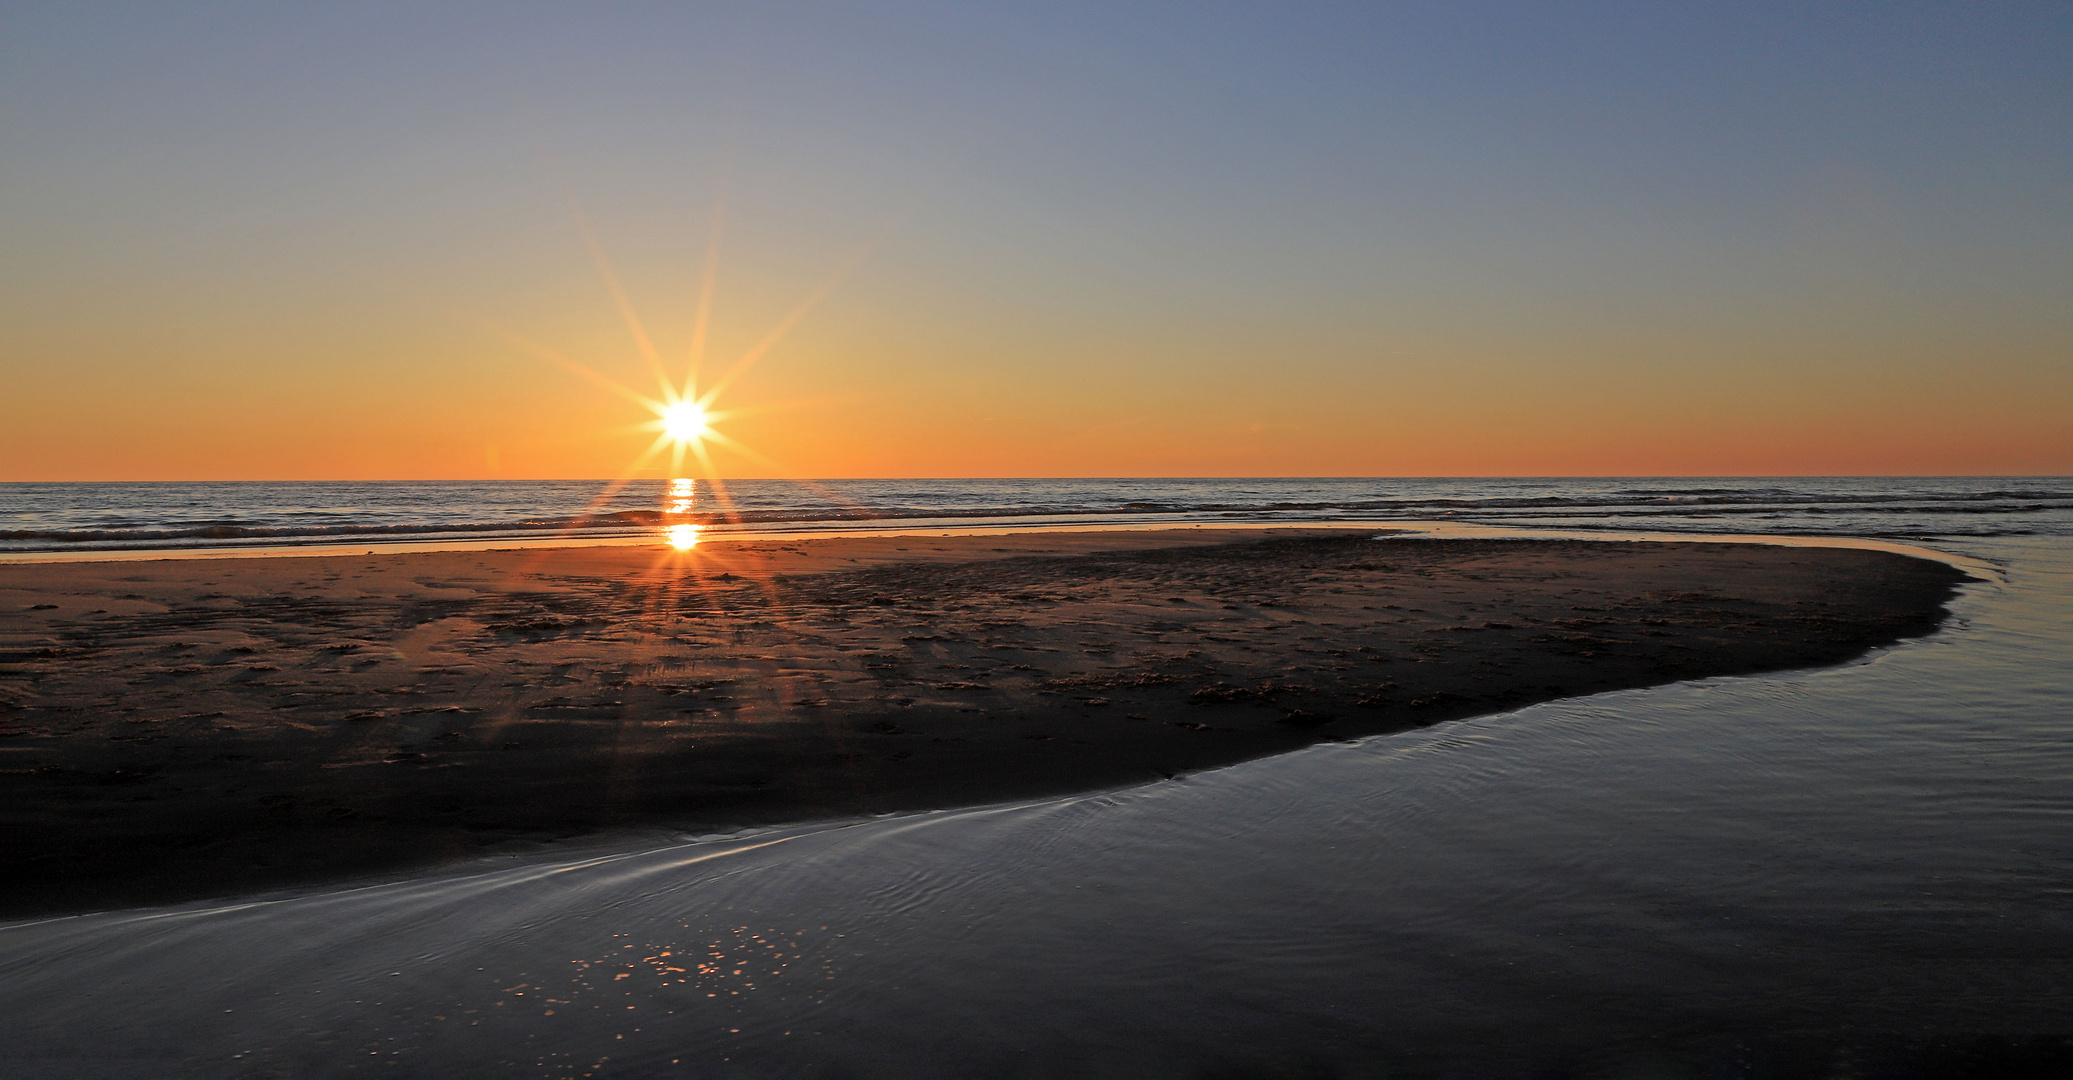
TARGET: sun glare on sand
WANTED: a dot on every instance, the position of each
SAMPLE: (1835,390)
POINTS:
(682,537)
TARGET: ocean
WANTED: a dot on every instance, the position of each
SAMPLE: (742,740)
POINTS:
(1864,870)
(89,518)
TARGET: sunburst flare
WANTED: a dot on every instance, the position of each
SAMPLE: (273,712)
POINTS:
(685,420)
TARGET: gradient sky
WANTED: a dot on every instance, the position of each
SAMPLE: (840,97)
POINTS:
(277,241)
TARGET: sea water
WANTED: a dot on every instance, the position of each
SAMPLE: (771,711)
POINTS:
(1863,870)
(99,518)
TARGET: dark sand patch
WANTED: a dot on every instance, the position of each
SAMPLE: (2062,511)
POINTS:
(200,728)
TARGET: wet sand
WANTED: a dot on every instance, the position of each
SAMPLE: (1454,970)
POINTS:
(199,728)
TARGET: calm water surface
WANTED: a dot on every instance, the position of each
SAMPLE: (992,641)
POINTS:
(1859,871)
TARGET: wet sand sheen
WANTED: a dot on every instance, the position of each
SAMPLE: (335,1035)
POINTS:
(215,727)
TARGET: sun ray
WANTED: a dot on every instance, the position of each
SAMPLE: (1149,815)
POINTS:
(784,326)
(701,322)
(617,484)
(770,408)
(553,357)
(641,341)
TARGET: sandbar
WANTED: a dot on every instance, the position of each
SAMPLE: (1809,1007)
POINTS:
(201,728)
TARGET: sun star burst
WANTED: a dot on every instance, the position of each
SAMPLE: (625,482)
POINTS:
(685,422)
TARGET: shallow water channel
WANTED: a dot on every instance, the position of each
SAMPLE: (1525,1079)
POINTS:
(1843,872)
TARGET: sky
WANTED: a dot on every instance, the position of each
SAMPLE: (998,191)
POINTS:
(376,241)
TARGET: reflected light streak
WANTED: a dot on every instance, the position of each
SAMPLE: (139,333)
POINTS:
(680,499)
(683,496)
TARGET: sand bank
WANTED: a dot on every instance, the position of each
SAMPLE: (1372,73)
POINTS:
(213,727)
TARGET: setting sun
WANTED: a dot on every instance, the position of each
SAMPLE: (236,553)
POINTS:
(684,422)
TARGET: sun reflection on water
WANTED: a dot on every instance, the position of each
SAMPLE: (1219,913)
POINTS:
(680,500)
(683,495)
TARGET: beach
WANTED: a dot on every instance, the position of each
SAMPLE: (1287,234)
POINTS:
(193,728)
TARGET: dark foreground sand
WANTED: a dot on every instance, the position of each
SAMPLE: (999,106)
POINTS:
(195,728)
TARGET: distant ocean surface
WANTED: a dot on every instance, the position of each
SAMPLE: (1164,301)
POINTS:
(52,517)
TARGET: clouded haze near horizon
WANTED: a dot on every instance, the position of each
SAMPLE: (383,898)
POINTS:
(259,241)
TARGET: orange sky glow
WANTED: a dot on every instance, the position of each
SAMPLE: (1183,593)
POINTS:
(371,257)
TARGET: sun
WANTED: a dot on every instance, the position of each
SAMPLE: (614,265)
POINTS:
(684,418)
(685,422)
(686,425)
